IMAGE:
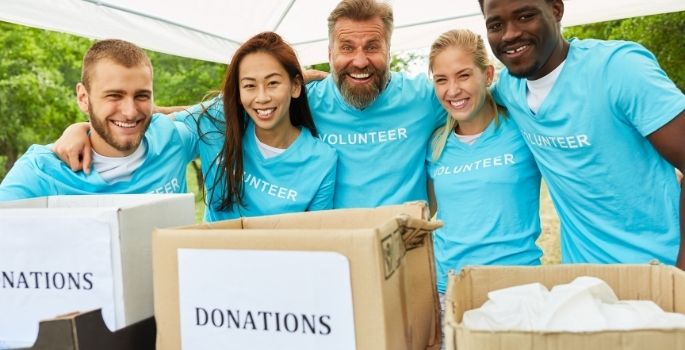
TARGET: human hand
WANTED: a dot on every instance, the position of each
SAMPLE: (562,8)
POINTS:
(74,148)
(313,74)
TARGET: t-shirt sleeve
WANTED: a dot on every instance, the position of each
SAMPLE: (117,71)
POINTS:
(641,90)
(189,139)
(190,117)
(22,182)
(323,199)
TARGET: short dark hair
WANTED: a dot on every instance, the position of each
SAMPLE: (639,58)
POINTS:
(480,2)
(121,52)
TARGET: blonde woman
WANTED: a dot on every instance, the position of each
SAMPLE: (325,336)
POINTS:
(485,182)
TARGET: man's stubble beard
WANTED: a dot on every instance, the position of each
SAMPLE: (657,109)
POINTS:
(102,129)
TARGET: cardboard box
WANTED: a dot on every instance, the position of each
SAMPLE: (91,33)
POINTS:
(87,331)
(340,279)
(71,253)
(665,285)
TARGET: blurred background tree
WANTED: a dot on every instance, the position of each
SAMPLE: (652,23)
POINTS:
(38,72)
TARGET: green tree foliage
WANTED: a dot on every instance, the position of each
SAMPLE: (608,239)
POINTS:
(661,34)
(38,73)
(180,81)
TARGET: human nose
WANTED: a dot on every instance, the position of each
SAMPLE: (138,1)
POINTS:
(360,60)
(128,107)
(511,32)
(262,95)
(453,88)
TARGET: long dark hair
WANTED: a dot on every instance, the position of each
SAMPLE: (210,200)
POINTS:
(231,156)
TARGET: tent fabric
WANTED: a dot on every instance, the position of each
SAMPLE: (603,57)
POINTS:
(211,30)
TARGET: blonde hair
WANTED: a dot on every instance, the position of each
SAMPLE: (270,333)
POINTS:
(361,10)
(471,43)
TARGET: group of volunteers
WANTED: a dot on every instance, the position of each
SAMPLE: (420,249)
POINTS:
(599,120)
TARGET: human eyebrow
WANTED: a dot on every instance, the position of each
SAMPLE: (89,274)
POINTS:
(488,20)
(373,42)
(273,75)
(113,91)
(524,9)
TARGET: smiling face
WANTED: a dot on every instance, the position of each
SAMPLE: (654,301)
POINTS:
(265,92)
(525,35)
(359,56)
(461,87)
(119,104)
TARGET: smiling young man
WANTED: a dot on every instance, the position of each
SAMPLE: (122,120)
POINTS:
(132,151)
(606,127)
(378,121)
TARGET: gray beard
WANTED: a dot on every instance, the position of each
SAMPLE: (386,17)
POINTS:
(360,97)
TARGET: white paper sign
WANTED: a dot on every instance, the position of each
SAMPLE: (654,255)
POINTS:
(255,299)
(51,265)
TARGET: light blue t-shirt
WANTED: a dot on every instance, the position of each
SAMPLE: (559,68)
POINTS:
(302,178)
(616,197)
(40,173)
(488,196)
(381,148)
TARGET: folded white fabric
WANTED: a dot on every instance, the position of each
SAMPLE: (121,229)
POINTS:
(587,304)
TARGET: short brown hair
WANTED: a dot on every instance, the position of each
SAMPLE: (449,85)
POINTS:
(361,10)
(122,52)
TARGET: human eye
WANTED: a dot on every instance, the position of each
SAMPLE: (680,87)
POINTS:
(346,48)
(493,27)
(439,81)
(274,83)
(526,16)
(464,76)
(143,97)
(247,86)
(113,96)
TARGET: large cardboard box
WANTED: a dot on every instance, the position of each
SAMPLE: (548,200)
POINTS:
(665,285)
(341,279)
(62,254)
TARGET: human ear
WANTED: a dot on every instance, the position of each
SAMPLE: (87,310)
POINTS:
(82,97)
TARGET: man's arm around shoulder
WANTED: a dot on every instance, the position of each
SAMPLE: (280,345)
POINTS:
(669,140)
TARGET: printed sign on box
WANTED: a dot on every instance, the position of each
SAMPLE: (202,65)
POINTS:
(75,268)
(265,300)
(62,254)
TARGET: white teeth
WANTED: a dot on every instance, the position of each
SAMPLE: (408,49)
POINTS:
(458,103)
(124,124)
(518,49)
(359,75)
(265,112)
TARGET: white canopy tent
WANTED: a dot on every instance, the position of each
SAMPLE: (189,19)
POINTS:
(212,29)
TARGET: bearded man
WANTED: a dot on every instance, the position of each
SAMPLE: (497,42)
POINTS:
(379,122)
